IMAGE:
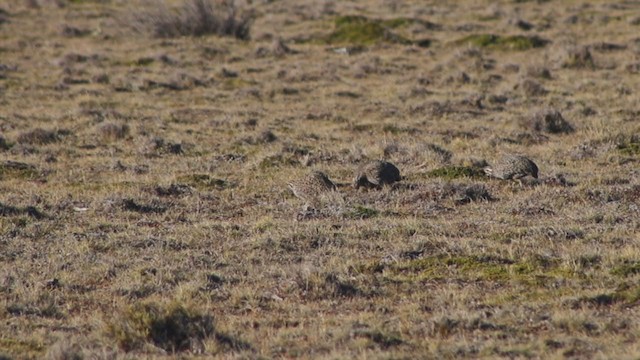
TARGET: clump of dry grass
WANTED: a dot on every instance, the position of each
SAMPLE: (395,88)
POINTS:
(578,57)
(549,121)
(111,131)
(532,88)
(38,136)
(537,71)
(193,18)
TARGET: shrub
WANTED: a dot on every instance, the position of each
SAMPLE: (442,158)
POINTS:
(111,131)
(38,136)
(193,18)
(549,121)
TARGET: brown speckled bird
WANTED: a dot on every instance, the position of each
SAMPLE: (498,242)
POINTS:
(309,187)
(512,167)
(376,174)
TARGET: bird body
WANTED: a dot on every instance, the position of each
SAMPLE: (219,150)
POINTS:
(512,167)
(376,174)
(309,187)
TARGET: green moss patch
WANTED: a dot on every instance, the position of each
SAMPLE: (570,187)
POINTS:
(360,30)
(514,42)
(456,172)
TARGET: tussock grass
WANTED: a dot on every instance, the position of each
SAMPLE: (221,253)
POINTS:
(193,18)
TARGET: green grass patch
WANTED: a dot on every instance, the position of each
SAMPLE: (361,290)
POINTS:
(536,272)
(360,30)
(627,268)
(456,172)
(628,145)
(514,42)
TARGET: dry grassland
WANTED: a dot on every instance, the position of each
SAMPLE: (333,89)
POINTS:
(146,150)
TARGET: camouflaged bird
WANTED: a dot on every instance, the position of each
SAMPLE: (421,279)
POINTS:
(309,187)
(513,167)
(376,174)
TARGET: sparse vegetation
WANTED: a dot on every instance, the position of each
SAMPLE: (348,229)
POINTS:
(456,172)
(145,206)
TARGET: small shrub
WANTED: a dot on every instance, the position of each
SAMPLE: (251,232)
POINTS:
(628,145)
(475,192)
(193,18)
(38,136)
(153,207)
(4,145)
(578,57)
(112,131)
(538,71)
(532,88)
(549,121)
(173,328)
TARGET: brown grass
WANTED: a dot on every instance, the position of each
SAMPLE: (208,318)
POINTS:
(193,18)
(145,213)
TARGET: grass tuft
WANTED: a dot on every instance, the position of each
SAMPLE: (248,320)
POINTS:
(456,172)
(361,212)
(628,144)
(627,268)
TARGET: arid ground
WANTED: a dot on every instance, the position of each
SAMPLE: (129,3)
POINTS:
(145,152)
